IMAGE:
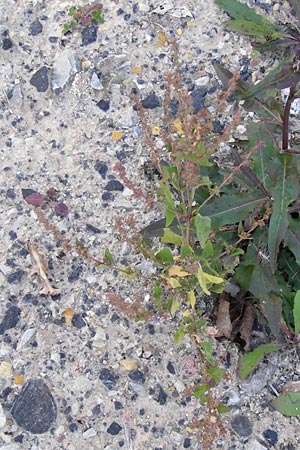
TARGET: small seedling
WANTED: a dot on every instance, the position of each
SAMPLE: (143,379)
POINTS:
(84,16)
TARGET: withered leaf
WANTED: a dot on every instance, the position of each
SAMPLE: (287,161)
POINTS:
(247,324)
(223,324)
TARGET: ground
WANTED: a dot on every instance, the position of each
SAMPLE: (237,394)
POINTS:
(67,118)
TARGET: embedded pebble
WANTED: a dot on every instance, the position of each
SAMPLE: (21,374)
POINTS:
(151,102)
(114,185)
(40,79)
(65,66)
(11,318)
(89,35)
(129,364)
(5,369)
(271,437)
(241,425)
(101,167)
(108,378)
(171,368)
(96,83)
(114,428)
(35,28)
(104,105)
(138,389)
(34,409)
(137,376)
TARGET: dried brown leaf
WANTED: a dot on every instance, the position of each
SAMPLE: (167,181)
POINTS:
(223,319)
(247,324)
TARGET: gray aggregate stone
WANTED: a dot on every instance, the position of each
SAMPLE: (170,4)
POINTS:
(241,425)
(34,409)
(65,66)
(40,79)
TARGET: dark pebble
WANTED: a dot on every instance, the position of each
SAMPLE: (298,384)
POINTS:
(137,376)
(96,410)
(114,428)
(34,409)
(15,277)
(40,80)
(150,328)
(114,317)
(108,378)
(158,431)
(10,193)
(107,196)
(78,322)
(101,167)
(11,318)
(27,192)
(241,425)
(92,229)
(7,43)
(217,126)
(171,368)
(161,398)
(89,35)
(12,235)
(75,274)
(118,406)
(73,427)
(35,28)
(197,97)
(104,105)
(150,102)
(114,185)
(19,438)
(186,443)
(271,436)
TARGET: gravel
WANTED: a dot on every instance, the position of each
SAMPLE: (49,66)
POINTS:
(102,379)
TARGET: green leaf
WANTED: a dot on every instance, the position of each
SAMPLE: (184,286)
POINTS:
(97,15)
(174,307)
(249,361)
(281,77)
(191,299)
(285,191)
(262,32)
(229,209)
(264,286)
(292,238)
(296,312)
(203,226)
(221,408)
(201,392)
(216,373)
(165,255)
(179,335)
(174,283)
(208,250)
(207,348)
(288,404)
(201,280)
(72,11)
(170,206)
(237,10)
(170,237)
(108,256)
